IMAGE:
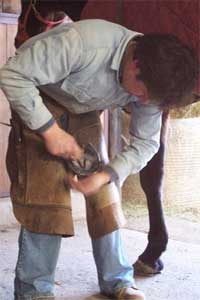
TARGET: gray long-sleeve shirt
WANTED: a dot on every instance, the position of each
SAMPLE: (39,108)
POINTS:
(77,64)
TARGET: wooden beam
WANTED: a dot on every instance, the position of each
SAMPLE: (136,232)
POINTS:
(11,33)
(115,114)
(4,111)
(9,18)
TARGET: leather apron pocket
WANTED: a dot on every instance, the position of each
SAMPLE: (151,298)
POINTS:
(46,174)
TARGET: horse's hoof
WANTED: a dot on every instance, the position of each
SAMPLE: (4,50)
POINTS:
(143,269)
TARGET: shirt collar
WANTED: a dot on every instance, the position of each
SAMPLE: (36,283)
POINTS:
(116,61)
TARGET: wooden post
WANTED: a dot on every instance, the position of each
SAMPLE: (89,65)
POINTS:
(115,114)
(114,132)
(9,11)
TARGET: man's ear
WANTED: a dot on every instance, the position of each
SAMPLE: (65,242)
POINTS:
(134,66)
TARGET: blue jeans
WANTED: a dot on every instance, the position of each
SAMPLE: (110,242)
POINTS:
(38,255)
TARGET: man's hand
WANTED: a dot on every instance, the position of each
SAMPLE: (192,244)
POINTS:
(91,184)
(60,143)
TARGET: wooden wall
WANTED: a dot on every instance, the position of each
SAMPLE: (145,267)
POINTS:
(10,6)
(9,11)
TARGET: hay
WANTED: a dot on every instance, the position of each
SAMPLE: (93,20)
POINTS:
(182,166)
(190,111)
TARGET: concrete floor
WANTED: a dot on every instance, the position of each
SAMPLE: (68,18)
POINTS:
(76,276)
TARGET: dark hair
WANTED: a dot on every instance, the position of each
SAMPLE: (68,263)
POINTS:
(168,68)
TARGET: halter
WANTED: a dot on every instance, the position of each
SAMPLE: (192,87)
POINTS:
(23,35)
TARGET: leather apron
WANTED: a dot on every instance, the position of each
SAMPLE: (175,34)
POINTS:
(39,187)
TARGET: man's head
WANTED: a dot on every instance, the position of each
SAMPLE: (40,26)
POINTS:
(160,68)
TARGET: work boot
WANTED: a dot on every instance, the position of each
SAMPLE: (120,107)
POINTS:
(128,293)
(44,298)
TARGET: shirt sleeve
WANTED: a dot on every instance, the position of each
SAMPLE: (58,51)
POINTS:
(44,61)
(145,126)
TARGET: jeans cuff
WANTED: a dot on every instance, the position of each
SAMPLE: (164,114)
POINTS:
(34,297)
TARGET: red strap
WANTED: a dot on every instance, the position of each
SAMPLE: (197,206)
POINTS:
(50,24)
(66,19)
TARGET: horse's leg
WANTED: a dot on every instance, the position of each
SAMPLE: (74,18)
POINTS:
(151,178)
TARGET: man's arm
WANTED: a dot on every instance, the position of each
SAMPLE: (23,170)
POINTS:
(60,143)
(145,126)
(44,61)
(144,143)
